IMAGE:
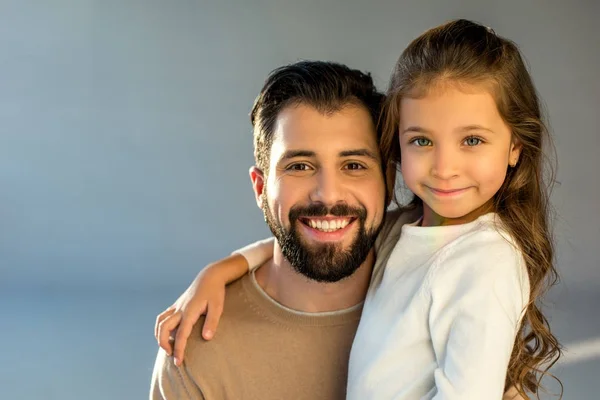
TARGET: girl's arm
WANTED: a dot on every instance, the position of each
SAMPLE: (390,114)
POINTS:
(206,295)
(478,295)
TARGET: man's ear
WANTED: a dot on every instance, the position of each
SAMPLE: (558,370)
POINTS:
(258,184)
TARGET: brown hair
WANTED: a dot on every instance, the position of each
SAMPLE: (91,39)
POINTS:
(465,52)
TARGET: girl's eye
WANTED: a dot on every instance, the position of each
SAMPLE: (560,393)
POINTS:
(421,142)
(472,141)
(298,167)
(354,166)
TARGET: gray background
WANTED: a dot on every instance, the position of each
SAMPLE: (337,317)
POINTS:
(125,145)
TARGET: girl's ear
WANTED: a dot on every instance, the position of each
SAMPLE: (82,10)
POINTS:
(515,152)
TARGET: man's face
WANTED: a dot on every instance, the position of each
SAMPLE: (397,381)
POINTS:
(324,195)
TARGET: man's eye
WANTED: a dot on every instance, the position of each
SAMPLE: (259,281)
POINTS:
(298,167)
(354,166)
(421,142)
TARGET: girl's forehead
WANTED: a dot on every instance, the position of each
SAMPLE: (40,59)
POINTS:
(450,105)
(452,109)
(444,81)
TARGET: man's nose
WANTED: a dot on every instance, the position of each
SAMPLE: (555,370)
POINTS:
(328,188)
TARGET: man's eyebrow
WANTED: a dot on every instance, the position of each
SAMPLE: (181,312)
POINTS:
(346,153)
(359,153)
(296,153)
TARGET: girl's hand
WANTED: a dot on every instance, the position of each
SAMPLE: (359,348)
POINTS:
(206,295)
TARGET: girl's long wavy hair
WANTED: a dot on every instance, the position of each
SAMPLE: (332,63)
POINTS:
(464,52)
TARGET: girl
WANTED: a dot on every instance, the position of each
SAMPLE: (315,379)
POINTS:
(455,307)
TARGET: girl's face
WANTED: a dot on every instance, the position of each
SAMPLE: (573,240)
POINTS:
(455,151)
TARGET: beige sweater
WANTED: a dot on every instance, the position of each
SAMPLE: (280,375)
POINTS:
(262,350)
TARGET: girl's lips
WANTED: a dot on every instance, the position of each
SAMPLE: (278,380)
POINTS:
(448,192)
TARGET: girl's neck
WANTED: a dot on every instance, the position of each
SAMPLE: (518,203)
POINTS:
(431,218)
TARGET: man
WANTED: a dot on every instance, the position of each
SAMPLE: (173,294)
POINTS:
(287,329)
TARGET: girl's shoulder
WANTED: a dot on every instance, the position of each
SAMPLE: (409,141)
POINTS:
(485,251)
(485,238)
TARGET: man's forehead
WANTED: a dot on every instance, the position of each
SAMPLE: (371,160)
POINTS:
(304,127)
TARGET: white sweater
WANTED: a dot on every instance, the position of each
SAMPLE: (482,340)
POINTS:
(441,314)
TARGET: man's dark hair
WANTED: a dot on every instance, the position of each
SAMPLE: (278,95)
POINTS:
(326,86)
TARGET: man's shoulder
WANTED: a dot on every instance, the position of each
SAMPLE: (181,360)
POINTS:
(218,365)
(255,334)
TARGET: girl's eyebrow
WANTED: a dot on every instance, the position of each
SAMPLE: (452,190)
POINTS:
(415,129)
(468,128)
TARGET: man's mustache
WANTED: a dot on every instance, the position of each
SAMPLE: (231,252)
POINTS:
(321,210)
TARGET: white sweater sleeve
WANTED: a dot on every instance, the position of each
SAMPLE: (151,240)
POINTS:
(257,253)
(478,293)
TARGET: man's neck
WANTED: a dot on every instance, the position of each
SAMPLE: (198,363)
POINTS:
(293,290)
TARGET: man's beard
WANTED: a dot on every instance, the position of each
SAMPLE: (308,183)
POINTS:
(324,262)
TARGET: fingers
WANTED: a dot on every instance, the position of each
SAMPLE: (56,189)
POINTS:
(215,309)
(169,311)
(165,328)
(183,332)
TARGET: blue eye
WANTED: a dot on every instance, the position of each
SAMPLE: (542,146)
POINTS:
(421,142)
(472,141)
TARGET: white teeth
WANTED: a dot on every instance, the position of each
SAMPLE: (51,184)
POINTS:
(328,226)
